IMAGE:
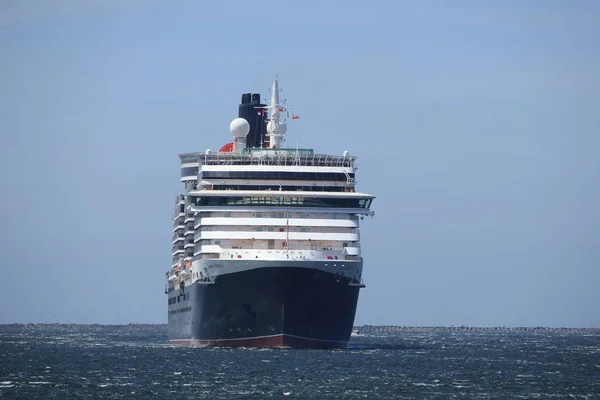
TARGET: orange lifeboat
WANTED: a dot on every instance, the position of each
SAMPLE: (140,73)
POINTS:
(228,148)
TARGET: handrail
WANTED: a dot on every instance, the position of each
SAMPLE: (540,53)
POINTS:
(266,158)
(291,248)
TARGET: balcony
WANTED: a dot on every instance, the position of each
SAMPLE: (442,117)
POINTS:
(178,238)
(178,251)
(177,226)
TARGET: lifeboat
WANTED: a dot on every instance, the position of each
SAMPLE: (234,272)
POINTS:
(228,148)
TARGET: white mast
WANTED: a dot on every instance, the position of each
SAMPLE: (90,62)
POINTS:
(276,128)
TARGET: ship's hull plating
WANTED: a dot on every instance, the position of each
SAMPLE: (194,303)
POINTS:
(275,306)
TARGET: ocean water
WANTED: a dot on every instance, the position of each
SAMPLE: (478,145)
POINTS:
(116,362)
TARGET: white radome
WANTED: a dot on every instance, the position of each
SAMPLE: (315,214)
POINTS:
(239,127)
(281,130)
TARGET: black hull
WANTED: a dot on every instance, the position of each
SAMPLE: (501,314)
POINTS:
(294,307)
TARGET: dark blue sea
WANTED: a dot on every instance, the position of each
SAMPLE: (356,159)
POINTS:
(119,362)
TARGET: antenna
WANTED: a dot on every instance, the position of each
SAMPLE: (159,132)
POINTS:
(287,243)
(297,159)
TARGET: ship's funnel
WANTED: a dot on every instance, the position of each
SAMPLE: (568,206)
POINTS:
(255,117)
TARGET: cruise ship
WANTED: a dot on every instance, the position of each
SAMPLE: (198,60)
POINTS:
(266,241)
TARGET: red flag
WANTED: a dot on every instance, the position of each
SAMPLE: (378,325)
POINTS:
(280,108)
(295,116)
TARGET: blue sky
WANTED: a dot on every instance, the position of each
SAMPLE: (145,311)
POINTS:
(475,125)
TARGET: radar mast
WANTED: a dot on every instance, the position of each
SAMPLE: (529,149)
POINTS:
(276,128)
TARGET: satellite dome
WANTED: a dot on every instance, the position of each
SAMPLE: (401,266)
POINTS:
(239,127)
(281,130)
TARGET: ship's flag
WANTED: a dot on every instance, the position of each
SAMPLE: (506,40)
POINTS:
(281,109)
(295,116)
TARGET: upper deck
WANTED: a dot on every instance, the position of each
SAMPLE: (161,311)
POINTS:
(271,157)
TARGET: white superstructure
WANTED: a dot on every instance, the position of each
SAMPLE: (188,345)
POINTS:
(268,203)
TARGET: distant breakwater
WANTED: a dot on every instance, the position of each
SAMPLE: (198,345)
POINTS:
(365,329)
(371,329)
